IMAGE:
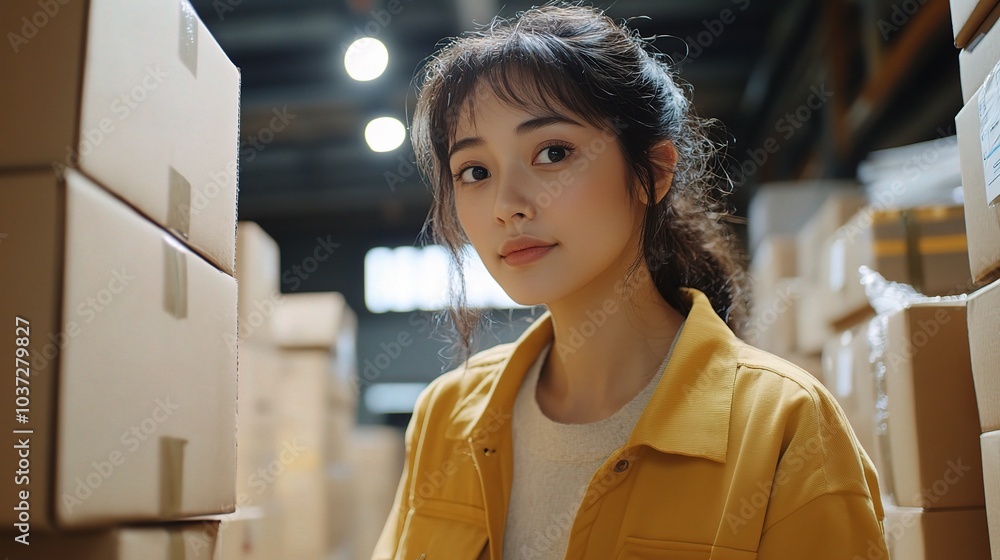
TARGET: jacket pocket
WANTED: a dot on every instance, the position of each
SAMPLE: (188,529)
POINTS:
(443,531)
(636,548)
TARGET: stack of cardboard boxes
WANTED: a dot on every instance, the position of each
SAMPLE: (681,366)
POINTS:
(315,403)
(298,400)
(117,237)
(904,378)
(783,269)
(978,141)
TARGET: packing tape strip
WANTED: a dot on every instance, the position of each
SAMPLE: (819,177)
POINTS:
(175,299)
(171,476)
(178,203)
(188,49)
(176,544)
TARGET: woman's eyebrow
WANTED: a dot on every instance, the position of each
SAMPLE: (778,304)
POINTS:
(525,127)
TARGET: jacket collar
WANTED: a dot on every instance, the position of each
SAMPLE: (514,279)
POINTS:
(689,410)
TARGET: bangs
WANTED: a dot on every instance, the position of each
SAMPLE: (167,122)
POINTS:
(534,73)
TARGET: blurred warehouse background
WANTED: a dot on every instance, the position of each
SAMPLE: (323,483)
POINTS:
(826,82)
(858,133)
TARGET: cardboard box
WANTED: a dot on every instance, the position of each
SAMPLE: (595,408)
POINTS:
(966,18)
(835,212)
(312,320)
(301,400)
(928,424)
(132,402)
(848,371)
(258,263)
(774,317)
(378,452)
(917,534)
(812,330)
(245,535)
(991,482)
(925,247)
(982,221)
(341,488)
(774,259)
(783,208)
(188,540)
(139,96)
(984,347)
(257,447)
(978,59)
(303,495)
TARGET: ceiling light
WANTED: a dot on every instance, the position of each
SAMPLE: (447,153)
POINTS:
(366,59)
(385,134)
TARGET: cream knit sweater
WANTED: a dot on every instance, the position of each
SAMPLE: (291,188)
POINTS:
(553,465)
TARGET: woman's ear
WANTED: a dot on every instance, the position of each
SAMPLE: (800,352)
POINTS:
(664,158)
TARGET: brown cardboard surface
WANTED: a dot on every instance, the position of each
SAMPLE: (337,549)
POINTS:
(925,247)
(305,516)
(977,62)
(835,212)
(930,448)
(301,401)
(138,95)
(773,260)
(341,487)
(310,320)
(966,17)
(132,392)
(916,534)
(257,446)
(811,330)
(982,222)
(257,270)
(189,540)
(991,481)
(984,346)
(848,372)
(773,317)
(378,452)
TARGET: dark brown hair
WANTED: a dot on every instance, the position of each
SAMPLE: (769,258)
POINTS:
(571,56)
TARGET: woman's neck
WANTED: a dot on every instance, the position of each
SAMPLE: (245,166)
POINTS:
(607,347)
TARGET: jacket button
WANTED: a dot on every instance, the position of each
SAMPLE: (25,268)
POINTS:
(620,466)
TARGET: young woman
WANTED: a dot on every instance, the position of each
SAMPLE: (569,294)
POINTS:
(628,421)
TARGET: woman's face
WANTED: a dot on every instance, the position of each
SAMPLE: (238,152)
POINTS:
(550,178)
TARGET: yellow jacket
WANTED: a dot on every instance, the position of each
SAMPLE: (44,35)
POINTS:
(738,455)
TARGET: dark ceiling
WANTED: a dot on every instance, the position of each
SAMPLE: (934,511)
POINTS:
(318,173)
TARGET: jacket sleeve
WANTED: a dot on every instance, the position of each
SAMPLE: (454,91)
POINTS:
(830,527)
(830,505)
(388,541)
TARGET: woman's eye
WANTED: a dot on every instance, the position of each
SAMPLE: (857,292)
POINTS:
(474,173)
(552,154)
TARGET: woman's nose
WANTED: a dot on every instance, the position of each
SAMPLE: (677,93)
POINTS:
(513,203)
